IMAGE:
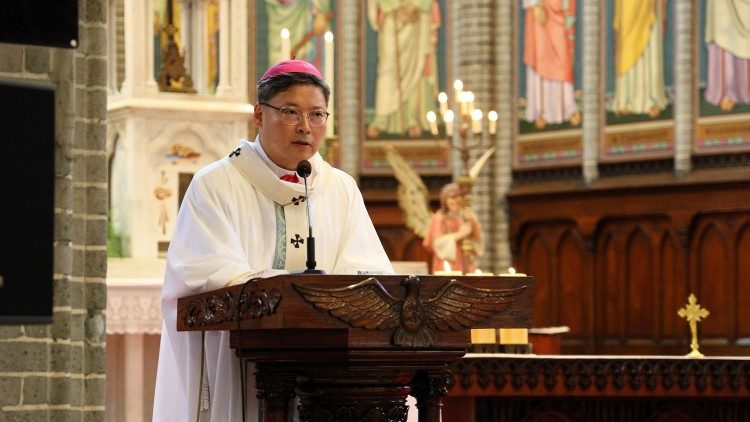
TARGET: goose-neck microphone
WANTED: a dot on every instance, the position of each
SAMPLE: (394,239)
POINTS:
(304,169)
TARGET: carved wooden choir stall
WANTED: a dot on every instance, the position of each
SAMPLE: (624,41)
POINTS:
(353,347)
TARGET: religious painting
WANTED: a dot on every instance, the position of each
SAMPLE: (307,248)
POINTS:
(300,29)
(639,89)
(724,84)
(405,69)
(549,83)
(287,29)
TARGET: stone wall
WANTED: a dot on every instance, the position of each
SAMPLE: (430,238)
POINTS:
(56,372)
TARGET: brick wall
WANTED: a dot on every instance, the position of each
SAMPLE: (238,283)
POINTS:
(56,372)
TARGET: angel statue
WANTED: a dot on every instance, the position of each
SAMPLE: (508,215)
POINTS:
(452,233)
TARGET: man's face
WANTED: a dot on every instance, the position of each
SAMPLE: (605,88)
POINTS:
(287,145)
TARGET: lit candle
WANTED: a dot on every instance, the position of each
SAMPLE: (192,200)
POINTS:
(328,74)
(476,121)
(447,270)
(512,273)
(463,100)
(458,87)
(492,117)
(443,100)
(448,122)
(432,119)
(286,45)
(479,273)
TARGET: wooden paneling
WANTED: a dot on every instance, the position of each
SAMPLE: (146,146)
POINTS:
(615,263)
(557,388)
(400,243)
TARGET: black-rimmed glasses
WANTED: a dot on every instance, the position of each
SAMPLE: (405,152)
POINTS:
(291,116)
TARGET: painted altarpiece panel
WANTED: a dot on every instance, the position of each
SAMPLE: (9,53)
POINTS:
(306,20)
(406,59)
(724,76)
(549,83)
(304,24)
(639,71)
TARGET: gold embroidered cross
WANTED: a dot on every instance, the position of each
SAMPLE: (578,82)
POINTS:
(693,313)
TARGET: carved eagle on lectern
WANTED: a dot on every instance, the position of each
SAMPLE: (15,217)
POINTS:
(368,305)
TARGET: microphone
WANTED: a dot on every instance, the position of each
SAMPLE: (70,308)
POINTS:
(304,169)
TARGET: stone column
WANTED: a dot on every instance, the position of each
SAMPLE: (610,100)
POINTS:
(349,85)
(684,82)
(224,87)
(505,105)
(56,372)
(139,24)
(475,70)
(593,121)
(196,54)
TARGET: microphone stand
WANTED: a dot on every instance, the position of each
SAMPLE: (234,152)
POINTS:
(304,169)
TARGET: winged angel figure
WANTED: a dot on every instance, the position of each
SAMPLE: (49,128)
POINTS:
(368,305)
(453,233)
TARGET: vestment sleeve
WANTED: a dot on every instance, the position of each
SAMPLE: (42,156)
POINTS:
(205,252)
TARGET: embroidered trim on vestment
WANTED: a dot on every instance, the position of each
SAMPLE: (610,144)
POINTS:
(279,258)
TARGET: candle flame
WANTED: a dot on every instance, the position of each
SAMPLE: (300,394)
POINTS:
(328,36)
(458,85)
(431,116)
(492,115)
(511,270)
(478,271)
(285,33)
(446,266)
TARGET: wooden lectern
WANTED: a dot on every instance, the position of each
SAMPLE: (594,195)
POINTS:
(352,347)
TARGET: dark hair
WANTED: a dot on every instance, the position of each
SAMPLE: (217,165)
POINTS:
(270,87)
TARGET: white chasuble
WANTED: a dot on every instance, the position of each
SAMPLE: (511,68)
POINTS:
(230,227)
(289,206)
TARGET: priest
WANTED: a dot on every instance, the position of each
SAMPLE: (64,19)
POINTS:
(245,216)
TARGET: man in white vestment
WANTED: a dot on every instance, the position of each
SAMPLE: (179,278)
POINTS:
(244,216)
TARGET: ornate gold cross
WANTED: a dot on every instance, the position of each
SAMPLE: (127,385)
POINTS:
(693,313)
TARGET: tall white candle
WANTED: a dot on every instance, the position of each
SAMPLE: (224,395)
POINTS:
(492,117)
(286,44)
(476,121)
(328,75)
(448,122)
(458,88)
(432,119)
(443,100)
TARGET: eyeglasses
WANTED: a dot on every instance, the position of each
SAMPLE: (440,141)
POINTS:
(291,116)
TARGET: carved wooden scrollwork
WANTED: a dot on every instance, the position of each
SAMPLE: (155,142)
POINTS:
(365,412)
(222,308)
(601,374)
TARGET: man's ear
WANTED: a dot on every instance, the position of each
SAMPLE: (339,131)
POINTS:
(258,115)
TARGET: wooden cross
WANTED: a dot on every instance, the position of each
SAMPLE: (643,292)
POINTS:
(693,313)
